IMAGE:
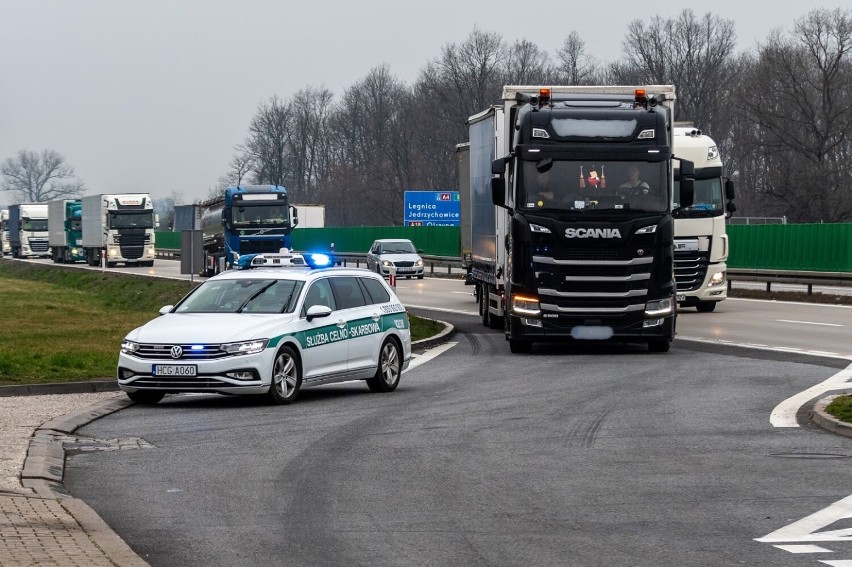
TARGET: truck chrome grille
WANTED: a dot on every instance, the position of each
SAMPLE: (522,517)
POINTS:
(690,269)
(38,245)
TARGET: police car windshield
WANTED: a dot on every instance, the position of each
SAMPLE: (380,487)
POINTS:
(260,295)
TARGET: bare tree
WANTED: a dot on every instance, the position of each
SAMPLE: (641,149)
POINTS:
(525,64)
(270,138)
(694,54)
(574,65)
(798,99)
(311,109)
(37,178)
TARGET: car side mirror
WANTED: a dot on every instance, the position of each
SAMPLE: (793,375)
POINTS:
(166,309)
(318,311)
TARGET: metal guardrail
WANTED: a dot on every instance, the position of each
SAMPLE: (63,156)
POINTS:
(793,277)
(451,265)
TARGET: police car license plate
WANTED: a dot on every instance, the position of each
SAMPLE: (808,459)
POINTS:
(174,370)
(681,297)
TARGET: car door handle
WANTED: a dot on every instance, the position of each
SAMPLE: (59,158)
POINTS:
(341,323)
(376,316)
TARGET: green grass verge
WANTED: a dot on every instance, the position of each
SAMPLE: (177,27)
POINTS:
(63,324)
(841,408)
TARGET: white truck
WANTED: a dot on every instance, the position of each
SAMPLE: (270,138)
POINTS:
(310,216)
(701,245)
(28,230)
(119,228)
(5,247)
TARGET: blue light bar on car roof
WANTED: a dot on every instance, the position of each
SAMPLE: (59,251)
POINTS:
(282,259)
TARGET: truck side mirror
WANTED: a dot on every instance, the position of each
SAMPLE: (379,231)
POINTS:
(687,191)
(731,206)
(225,219)
(294,216)
(498,191)
(729,189)
(687,168)
(498,167)
(156,221)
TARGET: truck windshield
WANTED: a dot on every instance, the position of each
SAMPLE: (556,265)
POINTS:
(708,200)
(131,219)
(34,225)
(260,216)
(562,185)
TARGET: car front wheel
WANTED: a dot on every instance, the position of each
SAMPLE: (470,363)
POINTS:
(389,371)
(286,377)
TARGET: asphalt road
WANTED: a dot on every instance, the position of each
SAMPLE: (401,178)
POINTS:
(569,456)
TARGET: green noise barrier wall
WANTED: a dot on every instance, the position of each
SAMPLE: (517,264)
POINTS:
(803,247)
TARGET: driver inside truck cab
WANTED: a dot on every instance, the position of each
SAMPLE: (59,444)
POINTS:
(541,194)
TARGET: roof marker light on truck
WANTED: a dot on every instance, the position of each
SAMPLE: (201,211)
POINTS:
(540,133)
(646,134)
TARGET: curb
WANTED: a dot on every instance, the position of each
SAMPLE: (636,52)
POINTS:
(86,387)
(44,468)
(442,337)
(827,421)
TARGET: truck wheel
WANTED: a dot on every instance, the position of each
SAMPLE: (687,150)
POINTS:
(661,345)
(706,306)
(483,306)
(519,346)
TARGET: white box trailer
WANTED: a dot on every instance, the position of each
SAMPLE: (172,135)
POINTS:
(119,228)
(310,216)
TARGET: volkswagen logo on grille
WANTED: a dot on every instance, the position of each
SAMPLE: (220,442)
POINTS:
(177,352)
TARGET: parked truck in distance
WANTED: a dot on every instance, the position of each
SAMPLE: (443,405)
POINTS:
(570,214)
(5,247)
(701,243)
(246,219)
(28,230)
(119,228)
(65,230)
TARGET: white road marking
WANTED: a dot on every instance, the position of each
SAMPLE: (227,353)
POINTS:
(803,548)
(842,563)
(784,414)
(809,528)
(808,323)
(418,359)
(829,305)
(765,347)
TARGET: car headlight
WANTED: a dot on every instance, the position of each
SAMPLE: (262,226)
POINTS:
(129,347)
(419,262)
(387,264)
(247,347)
(658,308)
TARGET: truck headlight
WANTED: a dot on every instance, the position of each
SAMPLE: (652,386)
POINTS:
(658,308)
(247,347)
(526,305)
(114,252)
(716,279)
(129,347)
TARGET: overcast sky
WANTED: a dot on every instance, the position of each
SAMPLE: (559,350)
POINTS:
(153,95)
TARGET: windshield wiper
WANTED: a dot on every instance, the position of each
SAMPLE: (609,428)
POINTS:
(253,296)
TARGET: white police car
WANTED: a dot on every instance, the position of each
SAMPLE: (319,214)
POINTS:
(270,330)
